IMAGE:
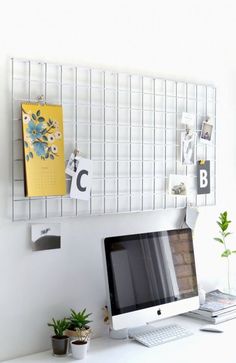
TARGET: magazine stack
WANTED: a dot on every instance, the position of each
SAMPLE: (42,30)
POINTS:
(217,308)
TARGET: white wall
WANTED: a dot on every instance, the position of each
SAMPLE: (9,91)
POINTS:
(184,39)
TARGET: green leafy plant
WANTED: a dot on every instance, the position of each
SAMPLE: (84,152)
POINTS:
(79,323)
(224,223)
(59,326)
(79,319)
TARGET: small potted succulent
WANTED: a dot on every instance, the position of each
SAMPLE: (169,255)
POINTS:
(59,340)
(78,320)
(79,346)
(79,332)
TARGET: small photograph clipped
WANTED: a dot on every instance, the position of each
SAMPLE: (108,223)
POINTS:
(187,148)
(45,236)
(188,119)
(206,132)
(178,185)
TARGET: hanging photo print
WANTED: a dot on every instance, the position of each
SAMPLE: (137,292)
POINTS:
(178,185)
(203,177)
(188,119)
(45,236)
(187,148)
(81,180)
(206,132)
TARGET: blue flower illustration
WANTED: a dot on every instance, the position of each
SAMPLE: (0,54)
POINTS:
(34,130)
(40,136)
(39,148)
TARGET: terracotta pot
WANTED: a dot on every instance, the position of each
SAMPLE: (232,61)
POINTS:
(60,345)
(71,333)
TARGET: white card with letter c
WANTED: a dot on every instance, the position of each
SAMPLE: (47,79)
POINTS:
(81,180)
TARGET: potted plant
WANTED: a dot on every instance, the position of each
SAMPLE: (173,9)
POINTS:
(79,320)
(59,340)
(79,346)
(224,223)
(79,332)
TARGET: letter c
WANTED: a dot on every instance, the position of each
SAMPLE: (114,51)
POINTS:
(78,181)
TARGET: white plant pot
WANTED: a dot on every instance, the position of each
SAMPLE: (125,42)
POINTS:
(74,336)
(79,351)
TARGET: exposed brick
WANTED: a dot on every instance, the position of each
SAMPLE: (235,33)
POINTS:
(178,259)
(183,270)
(184,236)
(182,247)
(188,258)
(184,284)
(174,238)
(172,245)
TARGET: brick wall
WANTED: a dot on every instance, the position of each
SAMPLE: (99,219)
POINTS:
(183,260)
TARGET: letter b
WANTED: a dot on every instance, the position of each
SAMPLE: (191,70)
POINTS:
(203,178)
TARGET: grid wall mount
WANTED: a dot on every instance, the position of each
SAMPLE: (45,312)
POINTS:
(129,125)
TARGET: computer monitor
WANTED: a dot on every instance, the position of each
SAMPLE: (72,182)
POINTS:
(150,276)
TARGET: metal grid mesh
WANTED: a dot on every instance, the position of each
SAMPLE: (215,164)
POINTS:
(129,125)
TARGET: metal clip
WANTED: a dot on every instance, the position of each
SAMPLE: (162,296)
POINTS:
(76,152)
(41,99)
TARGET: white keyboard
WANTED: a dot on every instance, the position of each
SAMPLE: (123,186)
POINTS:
(152,336)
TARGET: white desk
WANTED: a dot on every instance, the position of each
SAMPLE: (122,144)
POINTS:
(200,347)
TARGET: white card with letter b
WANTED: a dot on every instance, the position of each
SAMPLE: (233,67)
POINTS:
(82,180)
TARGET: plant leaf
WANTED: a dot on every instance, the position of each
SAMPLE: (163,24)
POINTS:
(51,156)
(26,143)
(31,155)
(219,240)
(38,113)
(219,224)
(224,226)
(34,116)
(226,253)
(41,119)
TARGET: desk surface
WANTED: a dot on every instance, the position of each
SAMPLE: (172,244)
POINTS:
(199,347)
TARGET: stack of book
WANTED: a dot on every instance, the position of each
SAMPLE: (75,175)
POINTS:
(217,308)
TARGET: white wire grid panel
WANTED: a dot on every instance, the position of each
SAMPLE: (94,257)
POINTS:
(129,125)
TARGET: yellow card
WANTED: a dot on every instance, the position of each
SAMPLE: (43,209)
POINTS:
(43,150)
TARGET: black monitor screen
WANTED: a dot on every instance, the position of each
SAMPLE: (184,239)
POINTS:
(150,269)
